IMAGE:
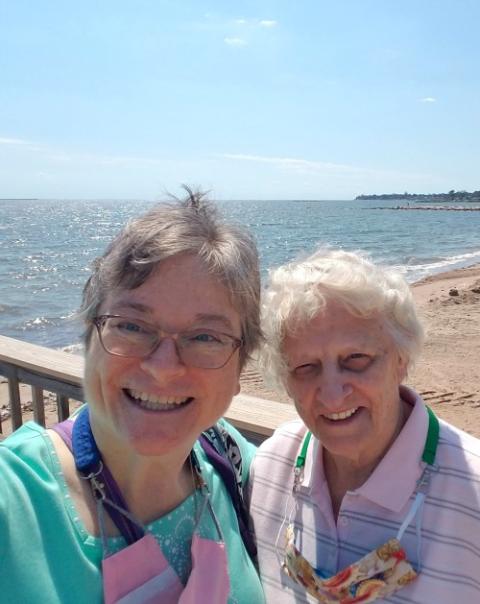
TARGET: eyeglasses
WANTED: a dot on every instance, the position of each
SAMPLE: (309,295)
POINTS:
(201,348)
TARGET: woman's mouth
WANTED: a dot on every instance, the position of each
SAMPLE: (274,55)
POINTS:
(342,415)
(151,402)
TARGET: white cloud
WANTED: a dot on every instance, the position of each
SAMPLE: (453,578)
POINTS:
(268,23)
(19,144)
(235,42)
(296,164)
(254,23)
(13,141)
(124,160)
(428,99)
(63,157)
(306,166)
(60,157)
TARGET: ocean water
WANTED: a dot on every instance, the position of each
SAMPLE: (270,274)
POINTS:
(46,247)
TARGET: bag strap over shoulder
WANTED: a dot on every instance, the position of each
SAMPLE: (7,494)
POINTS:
(225,456)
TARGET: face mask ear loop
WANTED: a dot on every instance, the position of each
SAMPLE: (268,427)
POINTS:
(101,526)
(416,505)
(297,477)
(416,510)
(207,503)
(419,533)
(287,519)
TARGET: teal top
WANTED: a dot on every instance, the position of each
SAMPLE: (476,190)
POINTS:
(46,554)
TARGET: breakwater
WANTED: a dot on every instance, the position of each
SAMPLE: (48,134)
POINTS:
(430,208)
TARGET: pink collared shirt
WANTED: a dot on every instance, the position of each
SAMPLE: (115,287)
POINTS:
(448,549)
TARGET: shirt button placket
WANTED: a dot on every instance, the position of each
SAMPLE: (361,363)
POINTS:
(342,535)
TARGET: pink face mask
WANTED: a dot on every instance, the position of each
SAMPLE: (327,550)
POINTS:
(140,573)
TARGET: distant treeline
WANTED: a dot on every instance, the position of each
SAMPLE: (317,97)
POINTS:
(450,196)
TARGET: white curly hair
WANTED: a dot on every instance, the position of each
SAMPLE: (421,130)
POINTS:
(298,291)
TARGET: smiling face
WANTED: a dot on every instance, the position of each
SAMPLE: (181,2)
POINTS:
(344,374)
(157,404)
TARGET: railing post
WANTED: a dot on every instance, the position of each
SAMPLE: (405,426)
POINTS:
(63,407)
(38,405)
(14,396)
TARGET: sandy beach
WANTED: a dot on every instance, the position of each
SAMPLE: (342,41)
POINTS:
(447,375)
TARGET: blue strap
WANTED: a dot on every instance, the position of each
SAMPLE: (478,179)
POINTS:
(88,461)
(85,451)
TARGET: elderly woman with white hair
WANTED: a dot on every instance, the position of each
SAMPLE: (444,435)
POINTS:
(369,497)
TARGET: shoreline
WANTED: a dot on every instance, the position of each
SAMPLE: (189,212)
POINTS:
(447,375)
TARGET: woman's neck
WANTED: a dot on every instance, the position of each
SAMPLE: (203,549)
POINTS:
(342,475)
(151,485)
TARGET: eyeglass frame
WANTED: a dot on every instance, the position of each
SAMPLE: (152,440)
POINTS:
(100,320)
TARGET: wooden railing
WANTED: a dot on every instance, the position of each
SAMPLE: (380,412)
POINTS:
(61,373)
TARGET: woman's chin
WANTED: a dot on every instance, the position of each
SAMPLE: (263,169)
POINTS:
(156,443)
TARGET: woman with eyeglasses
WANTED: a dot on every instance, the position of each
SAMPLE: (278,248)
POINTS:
(368,497)
(128,502)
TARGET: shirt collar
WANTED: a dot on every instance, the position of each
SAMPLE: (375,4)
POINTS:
(394,479)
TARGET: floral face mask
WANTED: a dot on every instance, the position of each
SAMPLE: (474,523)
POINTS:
(379,573)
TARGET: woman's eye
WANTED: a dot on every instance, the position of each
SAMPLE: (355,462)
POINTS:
(305,371)
(204,337)
(129,327)
(357,361)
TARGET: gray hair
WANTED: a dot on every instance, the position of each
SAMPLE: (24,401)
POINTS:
(189,226)
(299,291)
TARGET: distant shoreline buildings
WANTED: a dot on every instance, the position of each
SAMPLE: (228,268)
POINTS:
(462,196)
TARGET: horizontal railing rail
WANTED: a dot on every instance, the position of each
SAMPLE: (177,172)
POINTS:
(47,370)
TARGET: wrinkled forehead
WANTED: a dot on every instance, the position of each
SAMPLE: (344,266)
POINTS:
(338,323)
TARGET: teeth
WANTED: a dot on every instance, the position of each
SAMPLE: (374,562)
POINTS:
(342,415)
(155,403)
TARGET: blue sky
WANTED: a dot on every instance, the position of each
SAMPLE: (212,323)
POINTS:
(260,100)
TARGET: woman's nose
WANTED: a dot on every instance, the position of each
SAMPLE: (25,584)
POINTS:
(164,361)
(333,389)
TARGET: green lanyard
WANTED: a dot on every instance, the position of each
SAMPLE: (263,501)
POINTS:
(428,455)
